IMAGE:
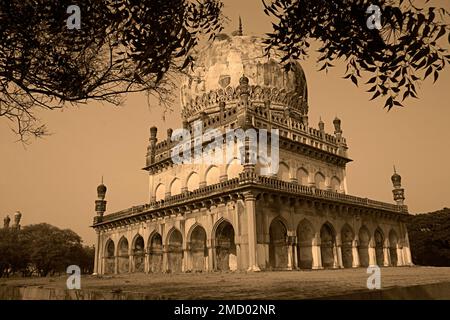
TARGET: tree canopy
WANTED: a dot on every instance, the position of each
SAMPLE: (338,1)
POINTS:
(42,249)
(122,46)
(412,44)
(125,46)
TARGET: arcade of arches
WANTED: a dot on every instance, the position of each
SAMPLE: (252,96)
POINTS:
(284,241)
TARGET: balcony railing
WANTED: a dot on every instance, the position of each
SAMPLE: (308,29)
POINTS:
(247,179)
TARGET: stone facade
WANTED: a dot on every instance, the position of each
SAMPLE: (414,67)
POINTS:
(233,216)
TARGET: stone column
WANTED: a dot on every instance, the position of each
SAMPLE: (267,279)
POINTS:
(250,208)
(316,253)
(211,253)
(147,261)
(116,264)
(387,256)
(187,259)
(372,254)
(355,254)
(338,253)
(400,261)
(130,261)
(96,257)
(295,250)
(165,262)
(407,259)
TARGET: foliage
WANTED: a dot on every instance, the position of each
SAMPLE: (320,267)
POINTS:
(123,46)
(409,48)
(429,236)
(42,249)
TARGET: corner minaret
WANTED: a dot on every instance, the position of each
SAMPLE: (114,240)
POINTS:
(100,203)
(398,192)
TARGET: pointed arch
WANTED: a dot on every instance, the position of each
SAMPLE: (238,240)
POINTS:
(347,237)
(234,167)
(393,245)
(225,245)
(198,248)
(212,175)
(155,250)
(379,245)
(123,255)
(363,246)
(160,192)
(283,172)
(138,249)
(305,236)
(109,256)
(278,248)
(328,245)
(319,180)
(175,250)
(302,176)
(193,181)
(335,184)
(175,187)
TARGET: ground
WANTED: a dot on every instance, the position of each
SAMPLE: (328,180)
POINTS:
(241,285)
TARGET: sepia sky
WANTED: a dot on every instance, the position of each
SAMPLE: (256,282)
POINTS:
(54,179)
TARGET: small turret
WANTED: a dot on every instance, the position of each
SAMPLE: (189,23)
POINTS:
(337,127)
(17,217)
(100,203)
(151,149)
(6,222)
(398,191)
(321,125)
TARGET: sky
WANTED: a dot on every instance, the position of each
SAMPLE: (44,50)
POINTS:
(54,179)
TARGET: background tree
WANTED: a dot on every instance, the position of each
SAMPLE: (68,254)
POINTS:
(122,46)
(429,236)
(411,46)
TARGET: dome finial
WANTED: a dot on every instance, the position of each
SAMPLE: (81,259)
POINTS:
(240,31)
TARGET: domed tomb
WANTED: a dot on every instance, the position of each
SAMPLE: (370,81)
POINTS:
(227,63)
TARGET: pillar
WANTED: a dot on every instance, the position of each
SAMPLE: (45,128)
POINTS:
(250,207)
(372,254)
(355,253)
(165,262)
(116,264)
(96,257)
(316,253)
(338,253)
(400,261)
(211,254)
(387,256)
(147,261)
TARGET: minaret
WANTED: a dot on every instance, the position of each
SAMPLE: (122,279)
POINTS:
(17,217)
(100,203)
(398,191)
(151,149)
(6,222)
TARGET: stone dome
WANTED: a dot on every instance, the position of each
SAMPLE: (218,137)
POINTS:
(219,67)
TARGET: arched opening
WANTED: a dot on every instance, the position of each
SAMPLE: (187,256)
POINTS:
(175,251)
(198,249)
(138,254)
(283,172)
(305,236)
(363,246)
(212,176)
(379,241)
(233,169)
(302,177)
(123,256)
(393,242)
(335,184)
(109,257)
(319,181)
(193,181)
(155,253)
(160,192)
(225,247)
(347,237)
(327,245)
(278,249)
(175,187)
